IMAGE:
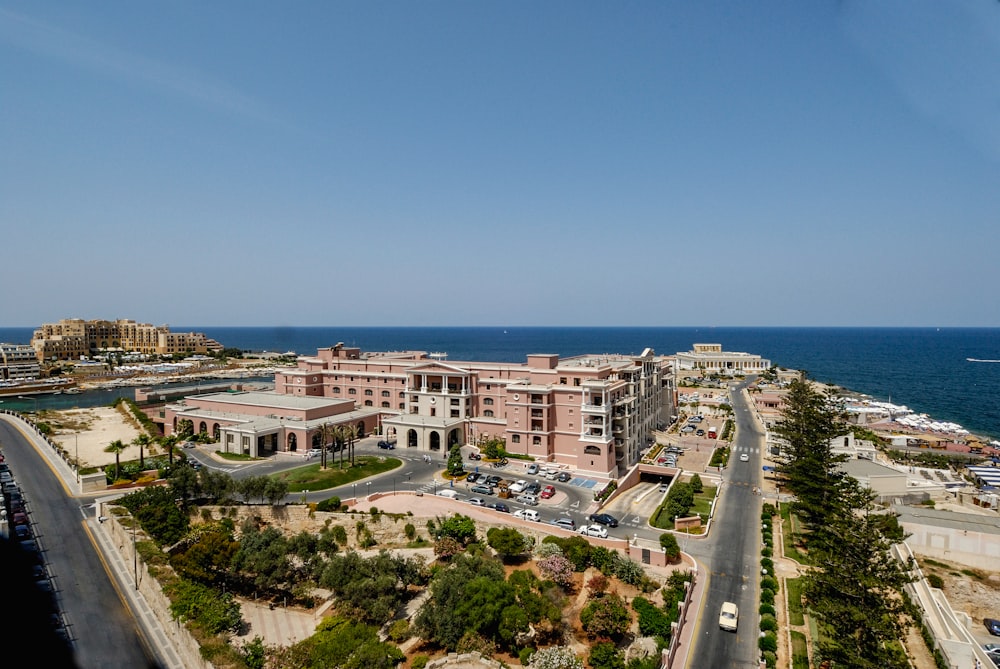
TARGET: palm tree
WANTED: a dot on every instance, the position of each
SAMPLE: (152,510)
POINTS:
(168,443)
(350,434)
(142,441)
(116,447)
(339,438)
(327,432)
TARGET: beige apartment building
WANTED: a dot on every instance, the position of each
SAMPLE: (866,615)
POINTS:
(18,363)
(74,338)
(711,359)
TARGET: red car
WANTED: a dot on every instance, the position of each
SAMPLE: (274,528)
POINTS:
(547,492)
(20,518)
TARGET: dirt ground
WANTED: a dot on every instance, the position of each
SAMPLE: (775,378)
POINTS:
(973,591)
(88,432)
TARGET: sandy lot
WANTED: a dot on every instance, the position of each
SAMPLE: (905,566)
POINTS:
(89,431)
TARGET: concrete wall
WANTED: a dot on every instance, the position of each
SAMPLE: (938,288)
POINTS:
(972,549)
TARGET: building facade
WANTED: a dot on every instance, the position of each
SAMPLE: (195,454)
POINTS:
(74,338)
(18,363)
(711,359)
(593,413)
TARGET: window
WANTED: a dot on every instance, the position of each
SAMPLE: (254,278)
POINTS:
(352,391)
(386,393)
(368,403)
(488,401)
(336,390)
(562,380)
(368,392)
(385,405)
(488,413)
(515,439)
(576,382)
(536,441)
(592,450)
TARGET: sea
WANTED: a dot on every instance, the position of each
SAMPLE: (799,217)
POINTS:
(951,374)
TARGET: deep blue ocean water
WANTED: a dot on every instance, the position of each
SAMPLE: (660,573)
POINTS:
(925,369)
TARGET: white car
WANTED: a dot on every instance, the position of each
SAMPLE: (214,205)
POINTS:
(744,457)
(527,514)
(312,453)
(477,501)
(525,498)
(598,531)
(518,486)
(729,617)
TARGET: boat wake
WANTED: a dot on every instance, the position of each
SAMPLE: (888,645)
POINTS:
(978,360)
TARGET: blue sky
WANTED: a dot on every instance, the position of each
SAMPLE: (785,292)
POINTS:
(501,163)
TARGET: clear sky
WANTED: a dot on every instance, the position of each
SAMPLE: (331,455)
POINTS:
(501,163)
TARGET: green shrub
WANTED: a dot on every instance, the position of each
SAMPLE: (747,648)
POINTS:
(769,583)
(770,659)
(766,610)
(419,661)
(524,655)
(935,581)
(329,504)
(768,623)
(767,596)
(768,642)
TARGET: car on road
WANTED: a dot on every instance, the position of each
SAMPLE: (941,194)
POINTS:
(565,523)
(551,474)
(991,647)
(604,519)
(472,478)
(598,531)
(533,468)
(664,487)
(386,445)
(493,480)
(992,626)
(699,433)
(499,506)
(744,457)
(547,492)
(687,429)
(729,617)
(481,490)
(477,501)
(527,514)
(188,444)
(313,453)
(527,498)
(564,477)
(533,488)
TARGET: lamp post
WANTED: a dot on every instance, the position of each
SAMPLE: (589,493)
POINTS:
(135,555)
(369,489)
(393,486)
(355,486)
(76,455)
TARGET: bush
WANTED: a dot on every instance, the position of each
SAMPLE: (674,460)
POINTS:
(767,596)
(329,504)
(766,610)
(935,581)
(770,659)
(419,661)
(769,583)
(768,623)
(524,656)
(768,642)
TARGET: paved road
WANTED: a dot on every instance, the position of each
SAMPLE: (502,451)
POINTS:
(103,631)
(731,553)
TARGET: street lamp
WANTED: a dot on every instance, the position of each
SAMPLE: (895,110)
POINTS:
(393,486)
(355,486)
(369,489)
(76,456)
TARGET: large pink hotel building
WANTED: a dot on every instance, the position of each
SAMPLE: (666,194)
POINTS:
(592,413)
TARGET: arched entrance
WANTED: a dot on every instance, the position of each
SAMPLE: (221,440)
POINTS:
(454,437)
(292,442)
(435,441)
(361,430)
(411,438)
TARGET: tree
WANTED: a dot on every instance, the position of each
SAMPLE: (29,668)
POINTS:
(555,657)
(142,441)
(856,590)
(169,442)
(506,541)
(809,423)
(350,433)
(327,435)
(456,467)
(116,447)
(275,490)
(207,558)
(605,655)
(458,527)
(606,617)
(696,485)
(557,569)
(668,542)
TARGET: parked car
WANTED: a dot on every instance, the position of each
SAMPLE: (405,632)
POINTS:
(598,531)
(386,444)
(472,478)
(493,480)
(533,468)
(527,514)
(563,477)
(533,488)
(500,506)
(477,501)
(518,486)
(729,617)
(551,474)
(699,433)
(992,626)
(22,532)
(481,489)
(604,519)
(565,523)
(313,453)
(688,428)
(525,498)
(547,492)
(475,456)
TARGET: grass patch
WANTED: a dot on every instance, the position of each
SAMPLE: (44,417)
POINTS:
(800,651)
(311,477)
(703,503)
(935,563)
(237,457)
(795,614)
(791,530)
